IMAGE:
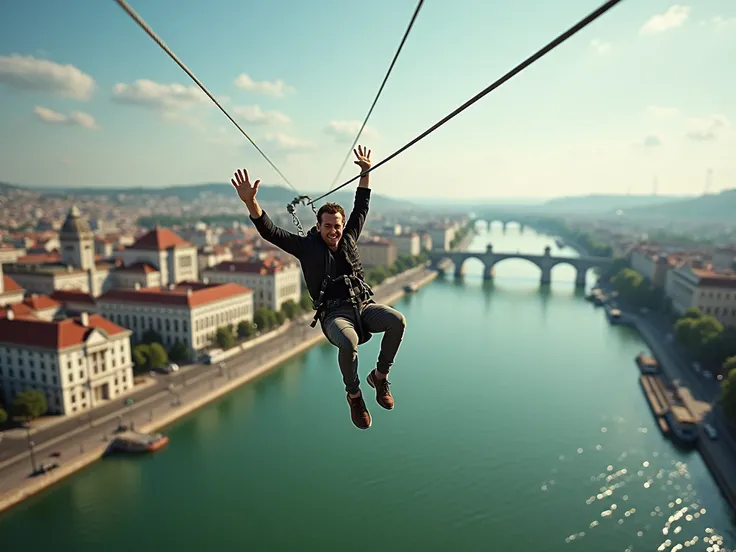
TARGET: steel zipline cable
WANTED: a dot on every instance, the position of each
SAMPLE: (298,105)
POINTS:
(380,90)
(123,4)
(516,70)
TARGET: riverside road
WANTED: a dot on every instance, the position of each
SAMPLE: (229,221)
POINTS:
(73,436)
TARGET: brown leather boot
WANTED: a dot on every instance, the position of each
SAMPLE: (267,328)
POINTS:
(358,412)
(383,395)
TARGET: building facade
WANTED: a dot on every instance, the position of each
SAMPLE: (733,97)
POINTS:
(273,281)
(189,312)
(77,363)
(377,252)
(714,293)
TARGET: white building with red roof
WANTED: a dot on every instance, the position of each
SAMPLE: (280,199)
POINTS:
(711,291)
(272,280)
(188,312)
(158,258)
(78,363)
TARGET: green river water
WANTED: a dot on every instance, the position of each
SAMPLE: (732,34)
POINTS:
(519,425)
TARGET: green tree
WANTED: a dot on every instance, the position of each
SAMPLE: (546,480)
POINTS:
(692,312)
(3,416)
(627,282)
(179,352)
(729,365)
(264,318)
(305,302)
(224,338)
(140,357)
(728,394)
(290,309)
(29,404)
(279,318)
(245,329)
(157,357)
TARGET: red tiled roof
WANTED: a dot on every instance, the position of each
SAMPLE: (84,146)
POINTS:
(39,258)
(144,267)
(709,278)
(72,295)
(9,285)
(159,239)
(54,335)
(263,267)
(40,302)
(19,310)
(191,294)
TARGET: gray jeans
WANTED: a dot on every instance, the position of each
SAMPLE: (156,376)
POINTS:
(339,326)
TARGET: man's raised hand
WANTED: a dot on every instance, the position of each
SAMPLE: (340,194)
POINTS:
(241,183)
(364,158)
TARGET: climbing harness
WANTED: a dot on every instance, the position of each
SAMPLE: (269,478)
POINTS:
(291,208)
(380,89)
(320,306)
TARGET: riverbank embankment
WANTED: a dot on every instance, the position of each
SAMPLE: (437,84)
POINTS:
(80,453)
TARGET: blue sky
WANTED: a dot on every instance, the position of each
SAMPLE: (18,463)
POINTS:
(647,91)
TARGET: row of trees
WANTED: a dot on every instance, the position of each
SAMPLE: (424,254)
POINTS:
(460,235)
(638,291)
(707,339)
(728,394)
(264,319)
(377,275)
(26,405)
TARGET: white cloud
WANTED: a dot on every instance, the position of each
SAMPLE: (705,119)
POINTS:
(652,141)
(663,112)
(277,88)
(76,118)
(719,22)
(674,17)
(288,144)
(702,129)
(42,75)
(600,46)
(255,115)
(345,131)
(154,95)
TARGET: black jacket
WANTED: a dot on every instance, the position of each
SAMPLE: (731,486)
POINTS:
(312,251)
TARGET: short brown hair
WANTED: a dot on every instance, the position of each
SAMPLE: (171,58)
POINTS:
(331,209)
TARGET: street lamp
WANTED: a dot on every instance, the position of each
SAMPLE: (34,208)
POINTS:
(173,392)
(31,444)
(129,403)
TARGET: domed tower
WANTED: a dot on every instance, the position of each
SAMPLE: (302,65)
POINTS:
(77,241)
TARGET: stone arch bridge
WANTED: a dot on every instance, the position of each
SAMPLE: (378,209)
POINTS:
(545,262)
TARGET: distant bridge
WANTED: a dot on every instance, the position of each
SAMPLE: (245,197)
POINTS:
(545,262)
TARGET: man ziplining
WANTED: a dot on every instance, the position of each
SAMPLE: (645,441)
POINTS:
(334,275)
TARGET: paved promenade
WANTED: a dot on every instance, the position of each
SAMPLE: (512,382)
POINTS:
(82,440)
(720,454)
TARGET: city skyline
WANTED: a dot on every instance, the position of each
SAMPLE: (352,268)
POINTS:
(81,114)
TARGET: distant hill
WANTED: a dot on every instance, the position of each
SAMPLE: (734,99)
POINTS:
(593,204)
(266,193)
(713,208)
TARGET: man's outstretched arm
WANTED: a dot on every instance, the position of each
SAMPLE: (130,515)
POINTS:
(354,225)
(287,241)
